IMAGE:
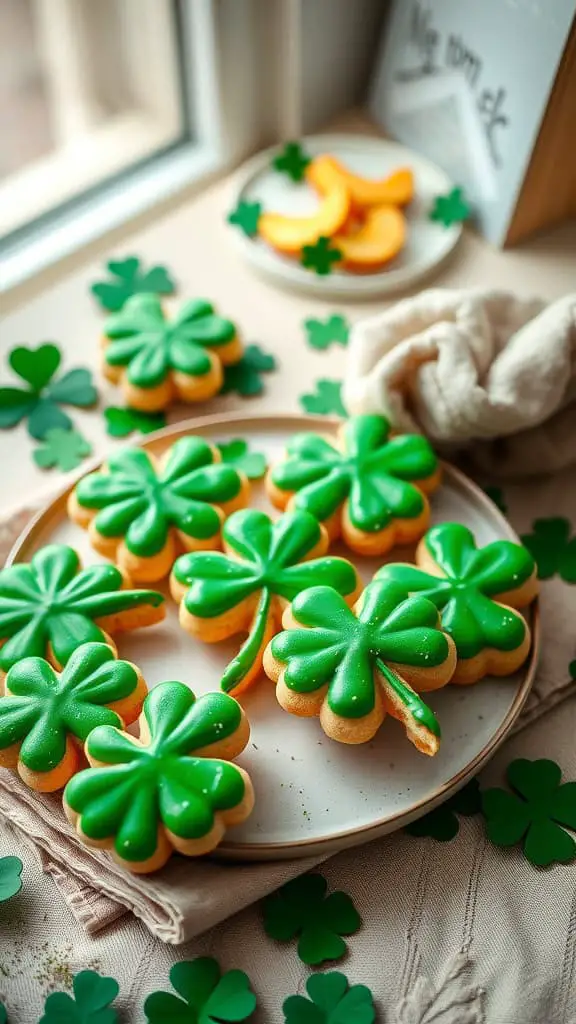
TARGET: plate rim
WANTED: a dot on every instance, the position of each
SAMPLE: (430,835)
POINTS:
(344,838)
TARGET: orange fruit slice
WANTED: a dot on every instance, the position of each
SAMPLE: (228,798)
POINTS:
(397,189)
(379,238)
(290,234)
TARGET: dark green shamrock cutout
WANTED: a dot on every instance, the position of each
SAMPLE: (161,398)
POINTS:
(128,278)
(572,670)
(496,494)
(121,422)
(450,209)
(322,333)
(332,1001)
(442,823)
(237,454)
(3,1014)
(40,402)
(10,880)
(246,216)
(320,256)
(208,996)
(302,908)
(245,376)
(64,449)
(292,160)
(90,1004)
(551,547)
(326,400)
(534,812)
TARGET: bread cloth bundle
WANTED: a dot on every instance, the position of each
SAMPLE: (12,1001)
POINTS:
(473,369)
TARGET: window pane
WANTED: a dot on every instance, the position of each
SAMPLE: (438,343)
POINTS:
(87,90)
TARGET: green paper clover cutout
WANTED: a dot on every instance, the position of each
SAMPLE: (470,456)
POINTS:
(128,278)
(572,670)
(43,710)
(370,462)
(10,877)
(62,448)
(90,1004)
(51,604)
(442,823)
(40,402)
(322,333)
(208,996)
(238,454)
(292,160)
(496,494)
(450,209)
(534,812)
(327,399)
(302,908)
(332,1001)
(150,347)
(121,422)
(3,1014)
(320,256)
(244,377)
(467,585)
(138,791)
(552,548)
(263,560)
(142,504)
(246,216)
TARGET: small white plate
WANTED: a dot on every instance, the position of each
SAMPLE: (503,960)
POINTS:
(314,795)
(428,242)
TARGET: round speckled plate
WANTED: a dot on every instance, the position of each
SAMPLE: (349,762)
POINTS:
(314,795)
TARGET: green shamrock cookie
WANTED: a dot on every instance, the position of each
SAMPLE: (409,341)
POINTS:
(49,606)
(45,717)
(246,589)
(165,791)
(476,590)
(301,907)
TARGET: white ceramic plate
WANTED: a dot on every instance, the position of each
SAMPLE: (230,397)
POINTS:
(315,795)
(428,243)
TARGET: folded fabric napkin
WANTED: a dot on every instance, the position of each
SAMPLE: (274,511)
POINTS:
(478,369)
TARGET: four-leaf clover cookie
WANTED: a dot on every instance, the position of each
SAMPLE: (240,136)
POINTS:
(353,666)
(477,591)
(172,789)
(45,717)
(141,512)
(156,360)
(368,486)
(50,605)
(246,589)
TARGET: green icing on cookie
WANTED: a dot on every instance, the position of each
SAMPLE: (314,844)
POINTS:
(141,504)
(43,708)
(467,580)
(150,346)
(266,560)
(372,473)
(162,783)
(51,601)
(341,650)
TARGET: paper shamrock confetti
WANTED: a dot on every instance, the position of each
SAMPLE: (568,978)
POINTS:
(322,333)
(442,823)
(128,278)
(246,216)
(302,908)
(496,494)
(237,454)
(292,160)
(550,545)
(208,997)
(40,402)
(121,422)
(10,880)
(450,209)
(320,256)
(534,812)
(90,1004)
(62,448)
(245,376)
(331,1001)
(327,399)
